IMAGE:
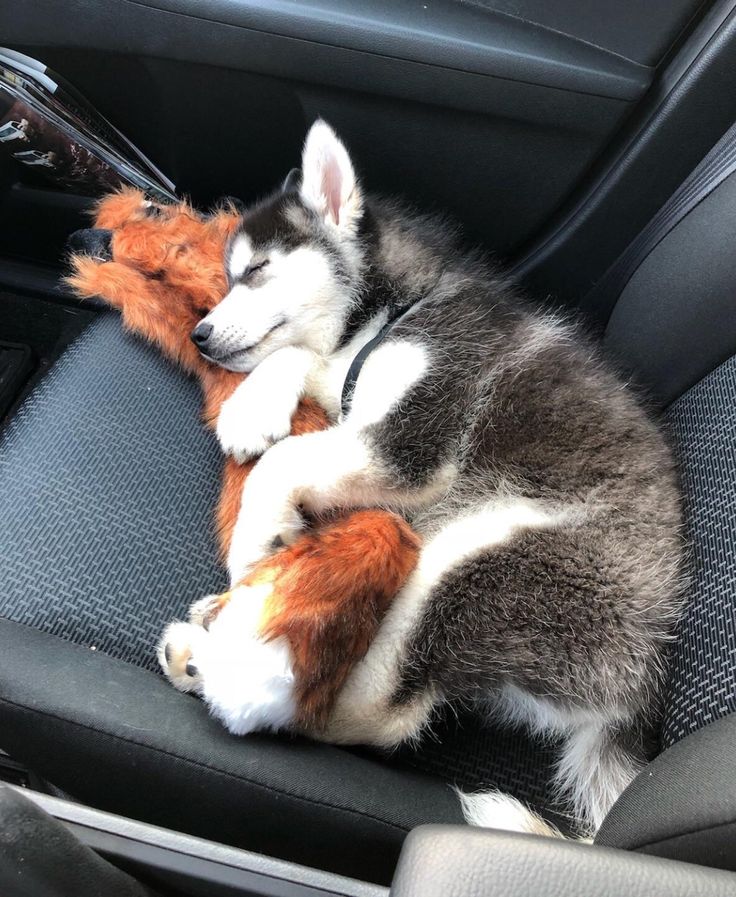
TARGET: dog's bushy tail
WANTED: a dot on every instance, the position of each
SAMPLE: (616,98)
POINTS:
(598,761)
(491,809)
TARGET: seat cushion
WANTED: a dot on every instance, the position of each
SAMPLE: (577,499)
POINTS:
(119,738)
(702,686)
(108,483)
(107,487)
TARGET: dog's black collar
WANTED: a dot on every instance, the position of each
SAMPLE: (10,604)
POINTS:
(356,365)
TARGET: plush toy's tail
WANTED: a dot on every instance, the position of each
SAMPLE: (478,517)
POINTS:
(331,589)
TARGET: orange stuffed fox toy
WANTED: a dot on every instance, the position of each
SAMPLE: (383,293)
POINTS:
(162,267)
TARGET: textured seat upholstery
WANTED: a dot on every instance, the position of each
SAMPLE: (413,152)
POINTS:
(703,665)
(107,485)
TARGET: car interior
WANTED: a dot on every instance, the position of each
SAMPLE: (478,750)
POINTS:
(589,146)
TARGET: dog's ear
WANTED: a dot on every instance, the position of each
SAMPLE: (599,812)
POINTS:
(328,181)
(293,181)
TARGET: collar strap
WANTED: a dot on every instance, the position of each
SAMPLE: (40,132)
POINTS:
(356,365)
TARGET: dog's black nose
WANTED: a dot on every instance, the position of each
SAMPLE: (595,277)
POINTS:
(92,241)
(201,334)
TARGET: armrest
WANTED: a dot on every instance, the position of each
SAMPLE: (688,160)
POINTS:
(452,861)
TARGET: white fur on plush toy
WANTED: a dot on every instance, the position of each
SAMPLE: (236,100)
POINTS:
(247,683)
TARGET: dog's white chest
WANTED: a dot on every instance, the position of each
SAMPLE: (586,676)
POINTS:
(326,380)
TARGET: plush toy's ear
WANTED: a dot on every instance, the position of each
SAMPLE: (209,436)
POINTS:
(293,181)
(328,181)
(237,204)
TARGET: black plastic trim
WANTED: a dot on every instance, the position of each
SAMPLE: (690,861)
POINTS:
(126,25)
(690,106)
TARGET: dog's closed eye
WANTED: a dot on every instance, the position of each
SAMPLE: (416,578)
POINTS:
(253,268)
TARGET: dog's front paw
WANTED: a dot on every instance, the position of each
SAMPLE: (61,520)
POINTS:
(248,547)
(176,655)
(250,423)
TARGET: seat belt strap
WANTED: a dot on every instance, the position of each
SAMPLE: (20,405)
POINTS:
(712,170)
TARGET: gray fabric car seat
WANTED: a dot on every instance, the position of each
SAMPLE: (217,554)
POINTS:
(109,480)
(107,484)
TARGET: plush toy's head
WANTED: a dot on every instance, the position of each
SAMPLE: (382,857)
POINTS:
(161,265)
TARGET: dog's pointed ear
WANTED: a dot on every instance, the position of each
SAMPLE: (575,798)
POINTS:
(293,181)
(329,184)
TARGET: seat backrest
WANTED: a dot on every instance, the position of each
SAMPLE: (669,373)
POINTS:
(674,328)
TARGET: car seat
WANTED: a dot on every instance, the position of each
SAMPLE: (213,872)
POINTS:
(107,486)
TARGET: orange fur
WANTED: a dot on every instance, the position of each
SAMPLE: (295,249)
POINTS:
(333,585)
(331,591)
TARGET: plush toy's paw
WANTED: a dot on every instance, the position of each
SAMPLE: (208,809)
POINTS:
(246,681)
(250,423)
(176,655)
(204,611)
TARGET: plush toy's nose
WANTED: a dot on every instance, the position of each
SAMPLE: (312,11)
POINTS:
(201,334)
(93,241)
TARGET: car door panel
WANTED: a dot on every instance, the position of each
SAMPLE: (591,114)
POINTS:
(480,112)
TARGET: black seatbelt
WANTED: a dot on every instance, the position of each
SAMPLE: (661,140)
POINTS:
(713,169)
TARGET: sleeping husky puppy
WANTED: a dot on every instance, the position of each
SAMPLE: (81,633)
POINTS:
(548,582)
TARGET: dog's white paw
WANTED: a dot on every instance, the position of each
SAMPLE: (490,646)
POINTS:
(250,422)
(176,655)
(247,549)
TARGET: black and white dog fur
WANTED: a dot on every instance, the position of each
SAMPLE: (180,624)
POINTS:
(549,580)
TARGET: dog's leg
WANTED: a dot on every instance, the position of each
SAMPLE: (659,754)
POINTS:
(369,708)
(308,418)
(259,412)
(318,471)
(381,703)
